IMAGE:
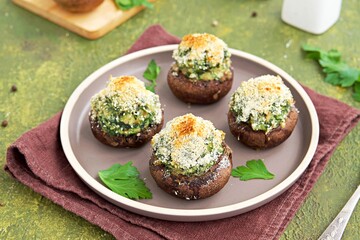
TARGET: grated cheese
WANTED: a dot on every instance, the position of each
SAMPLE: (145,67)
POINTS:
(201,45)
(188,145)
(264,102)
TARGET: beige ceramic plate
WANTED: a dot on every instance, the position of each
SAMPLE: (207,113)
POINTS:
(87,156)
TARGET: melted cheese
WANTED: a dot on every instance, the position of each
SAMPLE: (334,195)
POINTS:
(188,143)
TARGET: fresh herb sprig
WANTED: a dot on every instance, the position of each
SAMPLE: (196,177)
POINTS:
(337,72)
(254,169)
(128,4)
(151,73)
(124,180)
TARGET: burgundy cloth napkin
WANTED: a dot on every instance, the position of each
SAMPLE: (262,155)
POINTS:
(37,160)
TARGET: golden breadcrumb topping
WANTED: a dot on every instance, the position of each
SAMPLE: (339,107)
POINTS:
(201,44)
(188,144)
(203,57)
(126,83)
(125,106)
(264,102)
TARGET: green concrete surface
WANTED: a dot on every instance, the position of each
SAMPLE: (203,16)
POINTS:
(47,62)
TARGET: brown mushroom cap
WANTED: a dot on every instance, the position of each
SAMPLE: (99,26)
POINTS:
(259,139)
(121,141)
(199,91)
(194,187)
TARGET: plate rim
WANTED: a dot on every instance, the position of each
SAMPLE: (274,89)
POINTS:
(185,214)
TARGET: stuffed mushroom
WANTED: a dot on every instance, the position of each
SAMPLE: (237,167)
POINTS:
(125,114)
(262,112)
(190,158)
(202,72)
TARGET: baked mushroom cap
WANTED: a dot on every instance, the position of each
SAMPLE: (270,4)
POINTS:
(202,71)
(199,92)
(190,159)
(132,140)
(194,187)
(262,113)
(125,114)
(259,139)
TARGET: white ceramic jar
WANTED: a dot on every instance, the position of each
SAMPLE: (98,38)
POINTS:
(314,16)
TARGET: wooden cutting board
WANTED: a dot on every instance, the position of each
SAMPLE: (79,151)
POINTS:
(91,25)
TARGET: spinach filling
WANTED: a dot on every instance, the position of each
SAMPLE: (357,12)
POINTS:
(211,151)
(202,69)
(116,121)
(267,121)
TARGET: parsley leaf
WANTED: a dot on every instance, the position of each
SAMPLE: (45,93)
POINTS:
(128,4)
(124,180)
(337,72)
(254,169)
(151,73)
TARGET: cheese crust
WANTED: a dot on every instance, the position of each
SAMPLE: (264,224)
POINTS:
(263,102)
(202,57)
(188,145)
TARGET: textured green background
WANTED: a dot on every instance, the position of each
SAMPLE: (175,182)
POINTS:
(47,62)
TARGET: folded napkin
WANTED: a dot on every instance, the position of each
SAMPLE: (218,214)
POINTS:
(37,160)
